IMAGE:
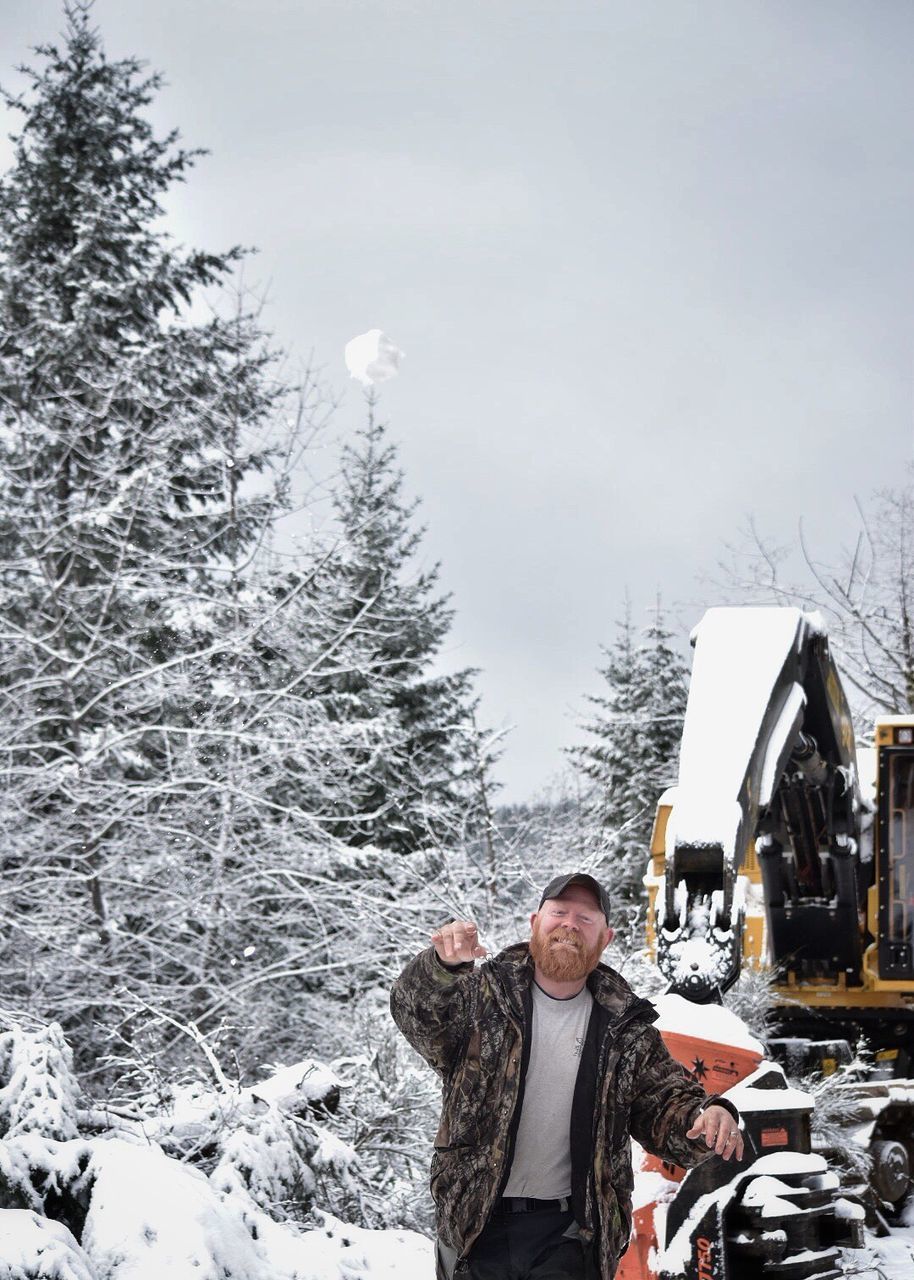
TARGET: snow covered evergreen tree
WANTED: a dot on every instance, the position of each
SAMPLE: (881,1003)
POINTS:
(188,724)
(133,477)
(633,754)
(414,759)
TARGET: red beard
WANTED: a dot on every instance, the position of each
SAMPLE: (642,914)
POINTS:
(562,963)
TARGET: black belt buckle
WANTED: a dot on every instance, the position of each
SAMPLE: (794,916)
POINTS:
(526,1204)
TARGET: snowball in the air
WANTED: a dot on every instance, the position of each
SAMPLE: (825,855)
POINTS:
(372,357)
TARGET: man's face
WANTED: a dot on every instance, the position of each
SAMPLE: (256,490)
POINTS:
(568,934)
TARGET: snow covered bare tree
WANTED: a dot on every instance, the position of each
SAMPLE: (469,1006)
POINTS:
(865,593)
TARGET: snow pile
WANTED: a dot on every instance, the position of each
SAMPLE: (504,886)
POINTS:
(353,1252)
(711,1021)
(849,1210)
(651,1186)
(756,1093)
(779,1163)
(150,1216)
(372,358)
(770,1196)
(27,1238)
(307,1081)
(888,1257)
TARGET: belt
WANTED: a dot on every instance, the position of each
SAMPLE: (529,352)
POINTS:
(524,1204)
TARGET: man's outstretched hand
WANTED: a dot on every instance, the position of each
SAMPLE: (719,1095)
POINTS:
(719,1130)
(457,942)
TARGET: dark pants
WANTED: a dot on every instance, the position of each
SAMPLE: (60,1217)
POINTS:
(539,1245)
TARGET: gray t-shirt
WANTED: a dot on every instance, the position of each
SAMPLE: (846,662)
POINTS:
(542,1154)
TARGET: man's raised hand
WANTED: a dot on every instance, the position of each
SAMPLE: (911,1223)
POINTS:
(457,942)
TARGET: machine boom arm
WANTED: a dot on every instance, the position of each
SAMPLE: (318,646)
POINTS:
(767,761)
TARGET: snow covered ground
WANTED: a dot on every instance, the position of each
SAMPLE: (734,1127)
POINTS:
(142,1208)
(136,1237)
(148,1215)
(889,1258)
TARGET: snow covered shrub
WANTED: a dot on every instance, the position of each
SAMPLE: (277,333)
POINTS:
(42,1163)
(631,959)
(265,1157)
(309,1139)
(38,1090)
(36,1248)
(265,1145)
(253,1167)
(752,998)
(388,1113)
(49,1177)
(150,1217)
(837,1116)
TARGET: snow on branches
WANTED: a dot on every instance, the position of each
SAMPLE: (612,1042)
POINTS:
(115,1204)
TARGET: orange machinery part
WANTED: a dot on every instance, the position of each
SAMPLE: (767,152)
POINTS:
(716,1067)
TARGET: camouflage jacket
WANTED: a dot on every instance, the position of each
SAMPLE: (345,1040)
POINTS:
(470,1024)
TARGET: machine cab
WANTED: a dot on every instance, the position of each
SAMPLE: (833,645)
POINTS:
(894,847)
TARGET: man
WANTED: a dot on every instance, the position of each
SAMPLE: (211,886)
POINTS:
(549,1064)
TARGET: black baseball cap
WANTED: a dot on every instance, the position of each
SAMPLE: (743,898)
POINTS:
(555,888)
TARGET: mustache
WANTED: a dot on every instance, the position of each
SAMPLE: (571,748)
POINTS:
(566,935)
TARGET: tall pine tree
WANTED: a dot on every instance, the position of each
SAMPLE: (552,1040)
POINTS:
(133,478)
(187,730)
(634,749)
(415,775)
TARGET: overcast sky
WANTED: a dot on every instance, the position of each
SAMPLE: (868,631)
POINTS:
(651,264)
